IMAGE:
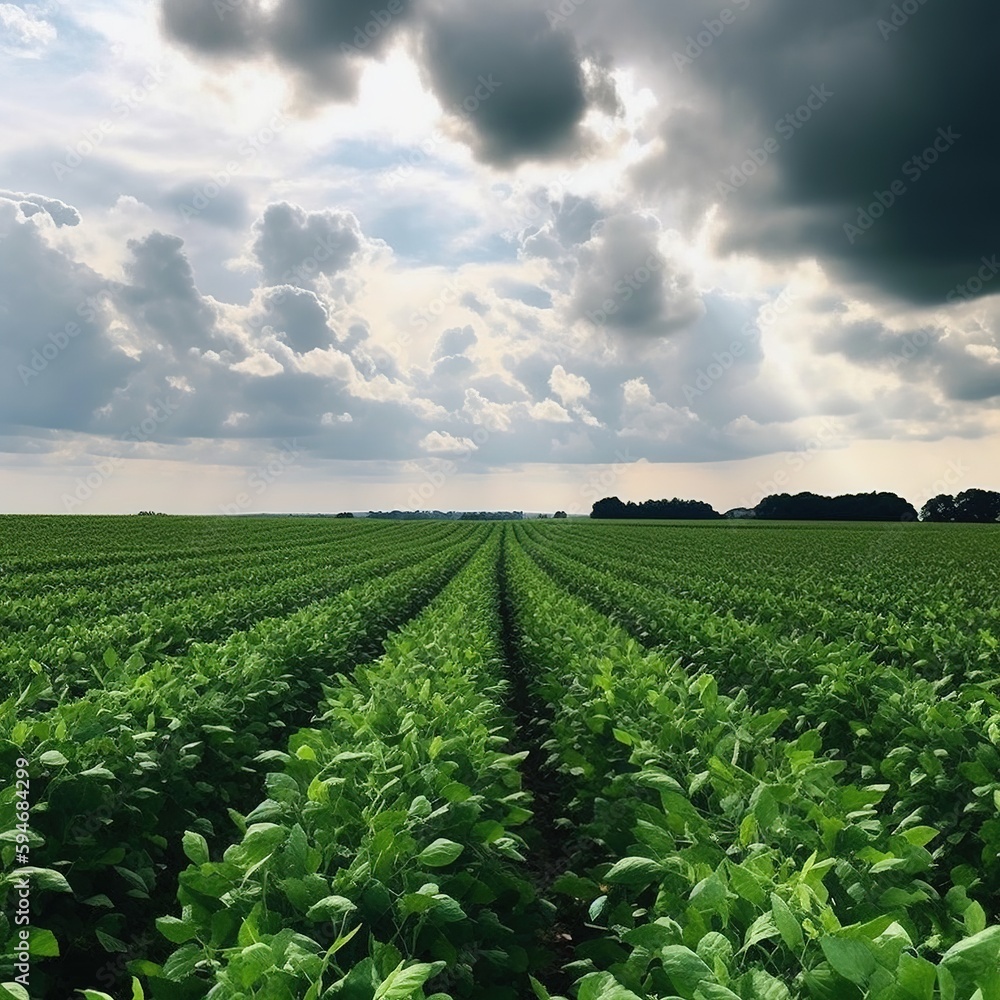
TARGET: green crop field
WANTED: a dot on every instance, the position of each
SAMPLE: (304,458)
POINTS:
(298,758)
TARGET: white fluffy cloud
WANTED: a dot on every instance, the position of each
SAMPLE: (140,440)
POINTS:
(571,389)
(443,443)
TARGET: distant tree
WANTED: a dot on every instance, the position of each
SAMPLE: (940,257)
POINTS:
(682,510)
(978,506)
(850,507)
(559,513)
(345,514)
(678,510)
(973,506)
(939,508)
(610,507)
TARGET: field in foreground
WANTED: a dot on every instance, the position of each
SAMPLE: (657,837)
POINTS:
(299,759)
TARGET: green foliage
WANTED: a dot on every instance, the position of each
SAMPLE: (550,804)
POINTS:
(365,839)
(119,774)
(289,759)
(743,859)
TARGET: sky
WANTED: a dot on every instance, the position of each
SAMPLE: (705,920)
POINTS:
(322,255)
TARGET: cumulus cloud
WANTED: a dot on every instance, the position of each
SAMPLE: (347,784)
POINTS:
(571,389)
(332,419)
(443,443)
(59,360)
(487,413)
(330,363)
(549,410)
(516,86)
(454,342)
(574,219)
(259,364)
(559,228)
(297,316)
(963,366)
(293,246)
(645,417)
(34,204)
(625,283)
(610,282)
(161,297)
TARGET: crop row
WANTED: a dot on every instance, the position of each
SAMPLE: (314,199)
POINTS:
(935,742)
(741,863)
(37,545)
(71,648)
(939,622)
(123,771)
(147,582)
(385,855)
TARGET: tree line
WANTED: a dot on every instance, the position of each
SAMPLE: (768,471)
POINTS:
(971,506)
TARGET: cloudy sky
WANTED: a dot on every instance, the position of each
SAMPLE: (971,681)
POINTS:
(352,254)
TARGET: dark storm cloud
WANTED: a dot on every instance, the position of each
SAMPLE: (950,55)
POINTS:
(292,246)
(518,88)
(323,41)
(908,130)
(518,85)
(887,177)
(906,124)
(222,27)
(320,42)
